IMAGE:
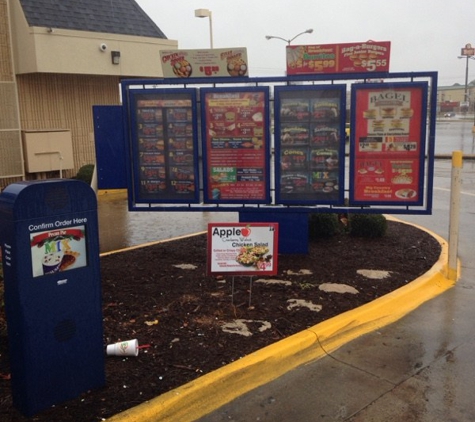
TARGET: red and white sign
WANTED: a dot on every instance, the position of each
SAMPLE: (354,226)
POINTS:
(242,248)
(370,56)
(389,143)
(230,62)
(236,145)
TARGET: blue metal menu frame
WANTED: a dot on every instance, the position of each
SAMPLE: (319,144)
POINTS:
(275,203)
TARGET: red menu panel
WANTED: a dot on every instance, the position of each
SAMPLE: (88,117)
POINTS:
(236,168)
(389,143)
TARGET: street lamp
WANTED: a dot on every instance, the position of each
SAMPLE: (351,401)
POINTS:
(308,31)
(206,13)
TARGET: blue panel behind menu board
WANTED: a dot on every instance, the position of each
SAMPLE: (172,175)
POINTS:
(293,228)
(110,147)
(53,311)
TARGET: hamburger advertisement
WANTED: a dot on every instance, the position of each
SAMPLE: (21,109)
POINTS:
(230,62)
(369,56)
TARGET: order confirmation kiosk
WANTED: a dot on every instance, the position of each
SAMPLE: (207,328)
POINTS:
(50,249)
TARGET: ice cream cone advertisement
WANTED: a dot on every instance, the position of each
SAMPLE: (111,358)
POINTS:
(56,250)
(389,145)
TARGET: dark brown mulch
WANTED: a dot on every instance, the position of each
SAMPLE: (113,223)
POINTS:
(142,285)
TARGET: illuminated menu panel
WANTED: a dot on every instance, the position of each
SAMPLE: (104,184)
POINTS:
(236,145)
(388,150)
(165,147)
(309,141)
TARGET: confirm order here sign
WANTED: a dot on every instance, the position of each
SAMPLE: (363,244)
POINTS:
(242,248)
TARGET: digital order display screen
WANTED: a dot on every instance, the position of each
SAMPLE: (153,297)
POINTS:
(58,250)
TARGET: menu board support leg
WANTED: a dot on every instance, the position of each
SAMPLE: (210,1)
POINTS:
(232,290)
(250,290)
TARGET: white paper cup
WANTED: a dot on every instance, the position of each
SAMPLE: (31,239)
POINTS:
(124,348)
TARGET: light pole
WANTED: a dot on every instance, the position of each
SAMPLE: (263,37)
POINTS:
(269,37)
(206,13)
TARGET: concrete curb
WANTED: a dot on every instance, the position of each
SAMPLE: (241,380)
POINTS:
(207,393)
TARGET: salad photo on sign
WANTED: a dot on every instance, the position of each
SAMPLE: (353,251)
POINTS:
(389,145)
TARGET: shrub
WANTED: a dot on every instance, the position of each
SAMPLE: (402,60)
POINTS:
(85,173)
(367,225)
(322,225)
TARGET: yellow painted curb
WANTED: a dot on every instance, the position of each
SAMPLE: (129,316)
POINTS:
(207,393)
(112,193)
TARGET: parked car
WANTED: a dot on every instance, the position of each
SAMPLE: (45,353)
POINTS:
(449,114)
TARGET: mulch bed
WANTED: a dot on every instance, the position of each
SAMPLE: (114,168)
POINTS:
(180,313)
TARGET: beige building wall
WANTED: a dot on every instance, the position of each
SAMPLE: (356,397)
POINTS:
(53,50)
(53,78)
(55,101)
(11,159)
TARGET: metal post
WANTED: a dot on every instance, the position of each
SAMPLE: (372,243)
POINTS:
(457,163)
(465,98)
(211,29)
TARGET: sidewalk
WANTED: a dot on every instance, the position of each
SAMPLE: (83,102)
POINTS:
(334,369)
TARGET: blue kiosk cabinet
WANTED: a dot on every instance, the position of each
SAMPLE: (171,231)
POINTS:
(50,249)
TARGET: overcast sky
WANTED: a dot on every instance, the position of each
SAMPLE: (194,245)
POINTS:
(425,35)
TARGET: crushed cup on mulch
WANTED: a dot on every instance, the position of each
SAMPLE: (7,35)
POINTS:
(124,348)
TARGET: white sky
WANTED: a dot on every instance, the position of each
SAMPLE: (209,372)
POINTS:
(425,35)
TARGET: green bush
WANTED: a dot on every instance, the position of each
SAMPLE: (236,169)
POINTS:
(322,225)
(367,225)
(85,173)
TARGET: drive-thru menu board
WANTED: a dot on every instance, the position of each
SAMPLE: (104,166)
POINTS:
(388,150)
(164,146)
(236,145)
(309,140)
